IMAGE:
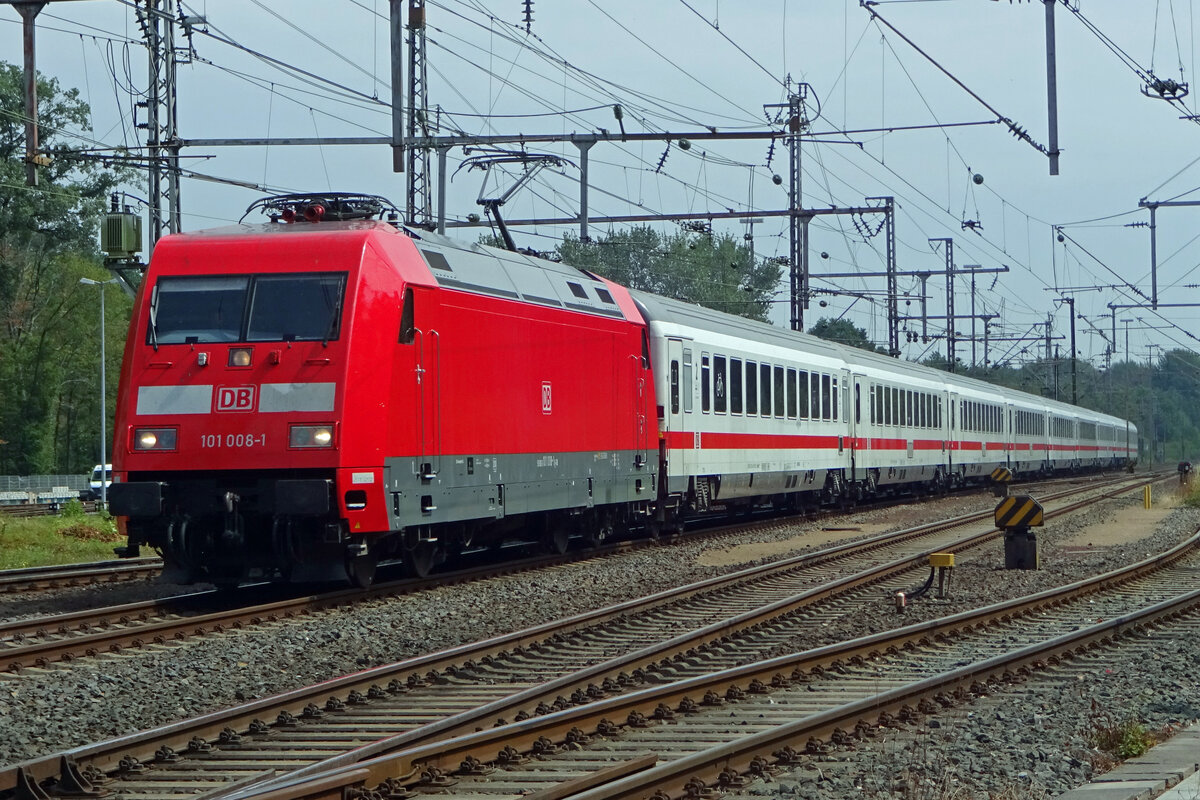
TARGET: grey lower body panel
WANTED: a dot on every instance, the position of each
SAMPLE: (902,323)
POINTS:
(492,486)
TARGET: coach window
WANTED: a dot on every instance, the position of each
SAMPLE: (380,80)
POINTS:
(837,399)
(705,385)
(857,404)
(779,392)
(802,393)
(674,386)
(751,387)
(735,386)
(897,406)
(687,382)
(826,399)
(814,395)
(791,393)
(719,377)
(764,389)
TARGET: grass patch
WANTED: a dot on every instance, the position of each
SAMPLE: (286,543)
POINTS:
(70,538)
(1191,493)
(1119,739)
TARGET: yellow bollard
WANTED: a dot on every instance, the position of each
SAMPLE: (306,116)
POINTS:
(1146,502)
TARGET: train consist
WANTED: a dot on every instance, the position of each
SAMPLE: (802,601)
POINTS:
(305,398)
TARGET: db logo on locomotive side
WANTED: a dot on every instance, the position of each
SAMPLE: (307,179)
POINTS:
(547,405)
(235,398)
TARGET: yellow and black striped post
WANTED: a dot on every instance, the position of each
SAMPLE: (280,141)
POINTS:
(1001,477)
(1016,515)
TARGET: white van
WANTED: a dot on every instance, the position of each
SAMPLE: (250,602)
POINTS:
(94,483)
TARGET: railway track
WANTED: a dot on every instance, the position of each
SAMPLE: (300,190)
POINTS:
(32,579)
(61,576)
(528,673)
(722,724)
(60,638)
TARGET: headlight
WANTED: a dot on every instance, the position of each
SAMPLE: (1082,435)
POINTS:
(154,438)
(310,436)
(240,356)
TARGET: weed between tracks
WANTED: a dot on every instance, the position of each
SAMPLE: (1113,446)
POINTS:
(72,537)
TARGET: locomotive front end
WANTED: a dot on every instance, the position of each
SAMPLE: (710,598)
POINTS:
(229,448)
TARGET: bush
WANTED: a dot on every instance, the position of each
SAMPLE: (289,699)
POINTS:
(72,509)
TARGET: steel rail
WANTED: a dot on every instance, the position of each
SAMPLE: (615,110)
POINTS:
(510,706)
(93,572)
(42,641)
(108,755)
(427,766)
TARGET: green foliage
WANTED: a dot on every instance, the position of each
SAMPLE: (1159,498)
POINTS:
(843,331)
(72,192)
(714,270)
(49,349)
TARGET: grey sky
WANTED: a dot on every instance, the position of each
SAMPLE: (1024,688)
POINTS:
(672,70)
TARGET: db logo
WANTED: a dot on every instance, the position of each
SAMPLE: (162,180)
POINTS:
(546,404)
(235,398)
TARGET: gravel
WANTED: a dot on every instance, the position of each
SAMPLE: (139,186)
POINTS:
(1032,740)
(44,711)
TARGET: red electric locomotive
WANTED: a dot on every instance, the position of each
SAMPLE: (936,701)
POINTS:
(304,398)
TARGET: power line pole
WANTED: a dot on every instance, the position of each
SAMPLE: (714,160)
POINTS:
(798,229)
(418,209)
(1070,301)
(29,12)
(893,302)
(157,19)
(951,340)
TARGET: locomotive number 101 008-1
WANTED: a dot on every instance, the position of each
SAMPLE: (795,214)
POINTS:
(235,440)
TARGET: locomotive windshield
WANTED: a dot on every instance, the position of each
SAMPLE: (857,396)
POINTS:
(246,308)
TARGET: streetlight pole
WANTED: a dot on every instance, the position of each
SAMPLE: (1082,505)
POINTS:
(103,403)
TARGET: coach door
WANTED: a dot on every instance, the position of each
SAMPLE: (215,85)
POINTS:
(952,423)
(859,402)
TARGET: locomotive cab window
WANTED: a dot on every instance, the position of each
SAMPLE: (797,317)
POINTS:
(210,309)
(295,308)
(246,308)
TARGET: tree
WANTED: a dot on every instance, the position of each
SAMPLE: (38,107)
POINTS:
(714,270)
(49,399)
(72,194)
(844,331)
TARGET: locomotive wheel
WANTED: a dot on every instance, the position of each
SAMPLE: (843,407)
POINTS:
(556,539)
(361,570)
(420,561)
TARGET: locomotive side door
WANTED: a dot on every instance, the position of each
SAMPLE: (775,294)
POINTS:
(641,425)
(427,385)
